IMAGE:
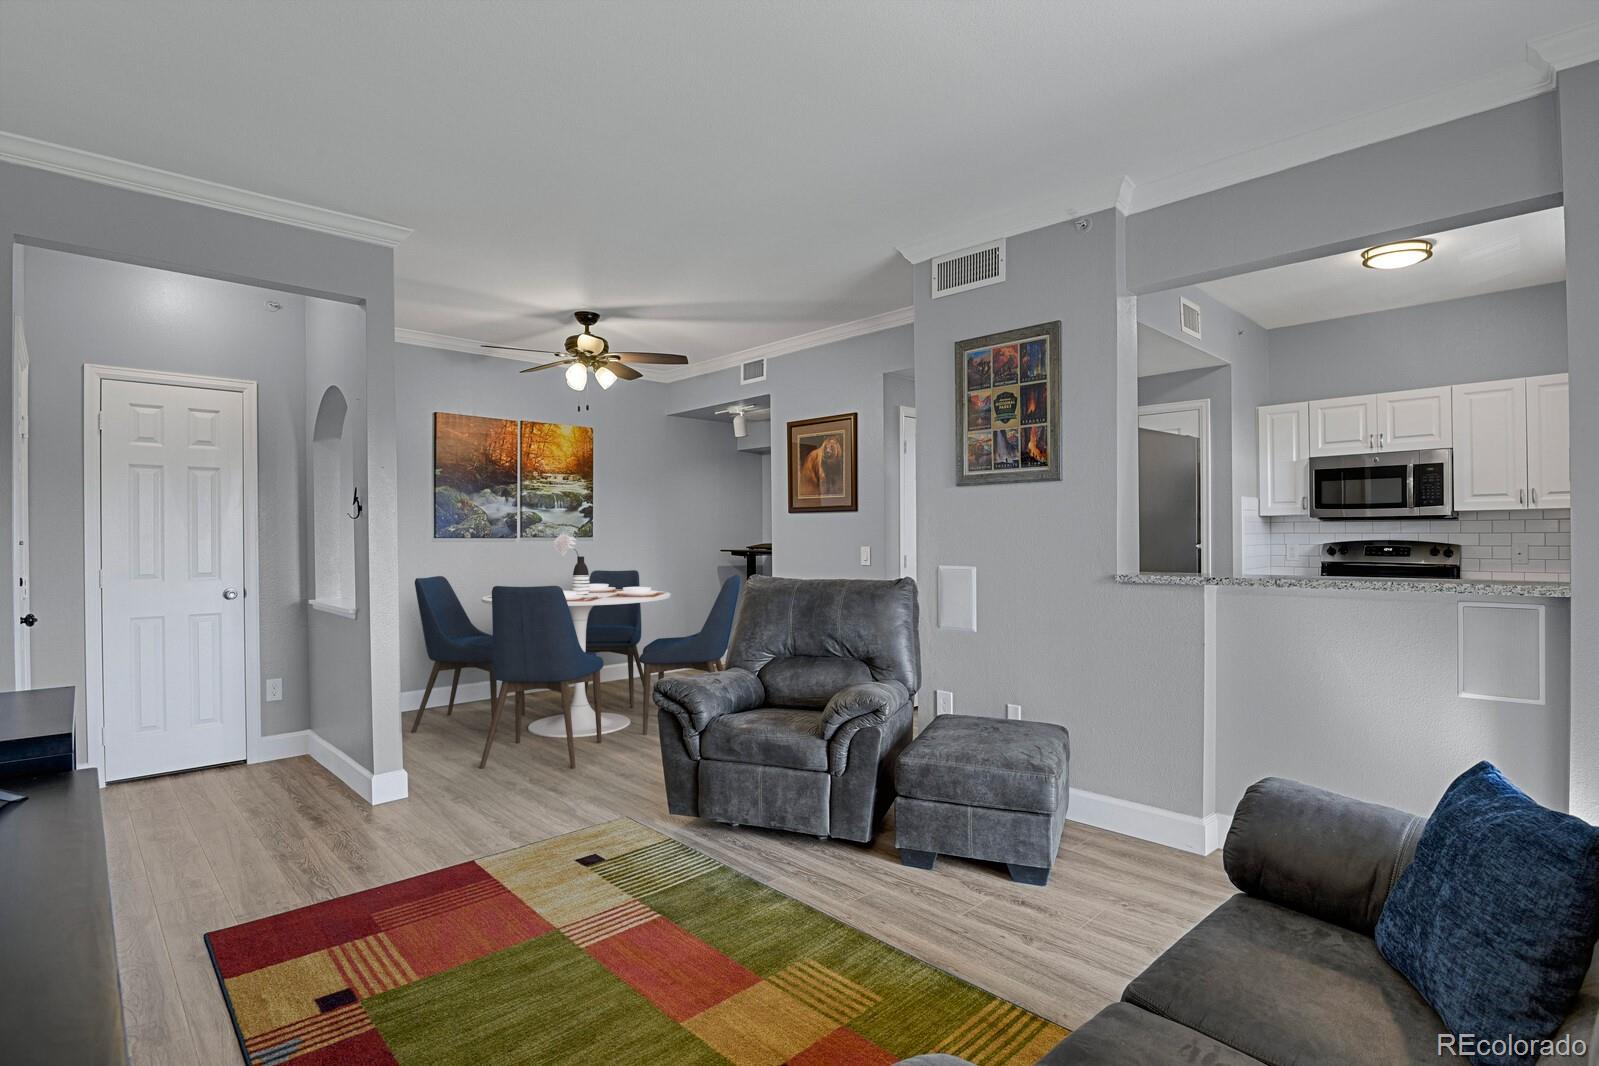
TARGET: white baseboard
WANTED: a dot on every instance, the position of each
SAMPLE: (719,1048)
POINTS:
(281,746)
(1185,832)
(479,690)
(374,788)
(1216,826)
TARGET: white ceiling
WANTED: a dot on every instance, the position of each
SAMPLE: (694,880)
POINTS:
(716,174)
(1508,253)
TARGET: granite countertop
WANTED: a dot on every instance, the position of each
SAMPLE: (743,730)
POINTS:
(1441,586)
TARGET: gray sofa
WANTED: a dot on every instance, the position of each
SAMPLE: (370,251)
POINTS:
(801,731)
(1287,971)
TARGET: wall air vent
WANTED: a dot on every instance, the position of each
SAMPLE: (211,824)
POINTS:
(1189,314)
(971,268)
(751,372)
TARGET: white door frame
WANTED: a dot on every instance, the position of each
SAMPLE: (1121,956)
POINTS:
(21,576)
(1206,518)
(93,658)
(907,499)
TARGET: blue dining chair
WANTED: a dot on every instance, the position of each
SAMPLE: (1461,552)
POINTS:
(616,629)
(536,647)
(453,642)
(702,651)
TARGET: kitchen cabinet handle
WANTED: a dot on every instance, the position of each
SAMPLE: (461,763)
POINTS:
(1382,440)
(1535,497)
(1304,503)
(1521,495)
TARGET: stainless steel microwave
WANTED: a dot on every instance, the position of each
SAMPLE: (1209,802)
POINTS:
(1418,484)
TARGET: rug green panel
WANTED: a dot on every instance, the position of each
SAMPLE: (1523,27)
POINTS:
(543,1002)
(767,931)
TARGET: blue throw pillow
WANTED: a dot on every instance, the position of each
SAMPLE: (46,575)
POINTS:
(1494,921)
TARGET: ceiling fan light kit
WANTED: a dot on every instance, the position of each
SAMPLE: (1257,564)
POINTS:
(588,353)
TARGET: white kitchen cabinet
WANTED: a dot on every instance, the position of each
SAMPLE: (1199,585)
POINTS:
(1490,427)
(1343,426)
(1284,438)
(1415,419)
(1548,441)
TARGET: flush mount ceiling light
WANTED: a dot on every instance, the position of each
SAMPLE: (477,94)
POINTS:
(1396,254)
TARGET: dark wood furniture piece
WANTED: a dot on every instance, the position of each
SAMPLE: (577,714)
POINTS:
(752,557)
(36,731)
(59,997)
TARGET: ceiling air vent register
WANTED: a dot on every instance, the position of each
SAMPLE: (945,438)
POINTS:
(971,268)
(1189,311)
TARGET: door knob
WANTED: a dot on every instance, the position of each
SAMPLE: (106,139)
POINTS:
(230,594)
(28,619)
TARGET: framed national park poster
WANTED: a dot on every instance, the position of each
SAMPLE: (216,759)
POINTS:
(1007,427)
(822,464)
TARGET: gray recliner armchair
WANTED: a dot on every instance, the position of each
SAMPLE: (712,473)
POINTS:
(801,731)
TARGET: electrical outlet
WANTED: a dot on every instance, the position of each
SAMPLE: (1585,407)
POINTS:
(274,689)
(866,555)
(1013,711)
(946,702)
(1518,553)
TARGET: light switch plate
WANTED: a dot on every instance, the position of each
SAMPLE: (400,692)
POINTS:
(946,702)
(274,689)
(1013,711)
(866,555)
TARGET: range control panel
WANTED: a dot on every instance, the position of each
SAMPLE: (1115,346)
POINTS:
(1390,558)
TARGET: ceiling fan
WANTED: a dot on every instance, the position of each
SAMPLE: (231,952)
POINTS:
(588,352)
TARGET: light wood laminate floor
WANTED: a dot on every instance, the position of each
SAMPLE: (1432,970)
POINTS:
(204,850)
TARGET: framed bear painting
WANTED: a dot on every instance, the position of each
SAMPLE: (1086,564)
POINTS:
(822,464)
(1007,427)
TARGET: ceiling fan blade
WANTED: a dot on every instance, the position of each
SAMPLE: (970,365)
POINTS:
(514,348)
(625,372)
(651,357)
(544,366)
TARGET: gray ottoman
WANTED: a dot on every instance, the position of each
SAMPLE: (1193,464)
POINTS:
(983,788)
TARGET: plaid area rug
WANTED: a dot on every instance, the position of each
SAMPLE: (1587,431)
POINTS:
(611,945)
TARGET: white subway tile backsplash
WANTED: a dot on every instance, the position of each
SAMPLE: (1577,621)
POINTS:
(1487,541)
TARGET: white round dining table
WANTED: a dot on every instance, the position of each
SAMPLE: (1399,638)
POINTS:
(554,725)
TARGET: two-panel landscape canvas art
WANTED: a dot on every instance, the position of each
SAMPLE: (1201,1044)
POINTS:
(501,478)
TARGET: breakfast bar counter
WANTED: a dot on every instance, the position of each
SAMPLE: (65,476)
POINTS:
(1438,586)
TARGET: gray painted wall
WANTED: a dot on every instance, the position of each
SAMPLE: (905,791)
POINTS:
(40,208)
(79,310)
(1579,122)
(336,356)
(1119,666)
(1489,165)
(1357,692)
(669,493)
(1519,333)
(830,379)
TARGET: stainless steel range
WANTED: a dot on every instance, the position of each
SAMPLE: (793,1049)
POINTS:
(1390,558)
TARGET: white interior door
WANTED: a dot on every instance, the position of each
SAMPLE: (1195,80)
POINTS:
(1188,418)
(907,492)
(171,577)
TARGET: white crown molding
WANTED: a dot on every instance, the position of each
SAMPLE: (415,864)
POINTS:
(450,344)
(1566,49)
(1036,214)
(814,339)
(90,166)
(1507,85)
